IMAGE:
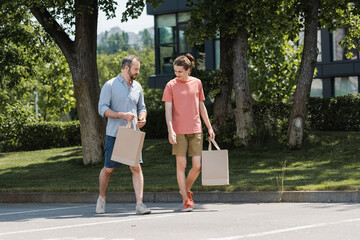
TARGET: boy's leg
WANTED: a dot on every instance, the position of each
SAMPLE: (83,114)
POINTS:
(194,172)
(180,175)
(195,149)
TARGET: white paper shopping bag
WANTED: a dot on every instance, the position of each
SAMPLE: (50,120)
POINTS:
(215,166)
(128,145)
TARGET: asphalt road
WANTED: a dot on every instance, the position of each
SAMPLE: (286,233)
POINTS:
(222,221)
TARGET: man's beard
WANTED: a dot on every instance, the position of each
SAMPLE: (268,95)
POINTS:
(132,76)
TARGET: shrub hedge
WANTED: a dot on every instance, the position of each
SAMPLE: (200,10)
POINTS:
(335,114)
(43,135)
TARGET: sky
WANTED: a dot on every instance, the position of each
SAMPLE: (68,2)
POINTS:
(132,25)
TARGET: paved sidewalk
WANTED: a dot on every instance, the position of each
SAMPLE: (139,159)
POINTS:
(170,197)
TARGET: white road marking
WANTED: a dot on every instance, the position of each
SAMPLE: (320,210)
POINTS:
(286,230)
(44,210)
(83,225)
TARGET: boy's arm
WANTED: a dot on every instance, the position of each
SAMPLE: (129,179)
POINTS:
(168,116)
(205,117)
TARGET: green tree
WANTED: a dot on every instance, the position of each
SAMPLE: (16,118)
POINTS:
(249,20)
(311,14)
(146,38)
(76,36)
(113,43)
(32,62)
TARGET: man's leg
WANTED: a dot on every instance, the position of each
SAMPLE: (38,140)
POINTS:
(138,183)
(194,172)
(180,175)
(104,179)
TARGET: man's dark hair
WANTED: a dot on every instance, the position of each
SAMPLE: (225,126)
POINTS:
(127,61)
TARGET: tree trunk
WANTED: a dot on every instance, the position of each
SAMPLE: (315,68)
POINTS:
(243,98)
(81,57)
(222,103)
(307,67)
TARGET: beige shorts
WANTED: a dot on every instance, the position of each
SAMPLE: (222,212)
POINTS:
(188,143)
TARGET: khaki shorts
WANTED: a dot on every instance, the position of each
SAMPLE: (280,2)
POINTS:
(188,143)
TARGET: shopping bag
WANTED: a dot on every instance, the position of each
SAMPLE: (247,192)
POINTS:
(128,145)
(215,166)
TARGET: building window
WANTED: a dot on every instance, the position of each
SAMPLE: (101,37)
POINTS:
(166,30)
(316,88)
(301,41)
(217,53)
(346,86)
(338,51)
(171,39)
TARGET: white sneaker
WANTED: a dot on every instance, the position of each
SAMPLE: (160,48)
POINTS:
(142,209)
(100,206)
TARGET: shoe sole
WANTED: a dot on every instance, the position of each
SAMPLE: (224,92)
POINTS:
(139,213)
(187,210)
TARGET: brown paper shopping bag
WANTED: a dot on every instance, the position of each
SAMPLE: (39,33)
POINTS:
(215,166)
(128,145)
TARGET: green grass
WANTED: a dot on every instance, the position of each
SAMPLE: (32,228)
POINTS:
(328,161)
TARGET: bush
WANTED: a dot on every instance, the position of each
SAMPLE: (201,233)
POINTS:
(335,114)
(12,119)
(43,135)
(156,124)
(271,119)
(19,132)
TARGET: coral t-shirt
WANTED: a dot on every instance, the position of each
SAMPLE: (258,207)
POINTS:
(185,97)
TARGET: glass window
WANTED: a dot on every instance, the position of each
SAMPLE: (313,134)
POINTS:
(319,56)
(166,28)
(171,41)
(301,41)
(316,88)
(338,51)
(217,53)
(183,16)
(346,85)
(183,45)
(167,57)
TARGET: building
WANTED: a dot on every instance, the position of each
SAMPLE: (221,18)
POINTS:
(336,75)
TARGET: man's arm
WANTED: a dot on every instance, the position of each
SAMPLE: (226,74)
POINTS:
(142,119)
(128,116)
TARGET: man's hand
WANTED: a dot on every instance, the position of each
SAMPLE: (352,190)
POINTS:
(128,116)
(141,121)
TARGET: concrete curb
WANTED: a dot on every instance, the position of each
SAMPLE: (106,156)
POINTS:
(158,197)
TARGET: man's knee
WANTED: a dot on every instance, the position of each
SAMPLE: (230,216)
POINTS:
(108,171)
(135,170)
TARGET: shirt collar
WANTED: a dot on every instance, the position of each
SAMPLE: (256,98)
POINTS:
(123,81)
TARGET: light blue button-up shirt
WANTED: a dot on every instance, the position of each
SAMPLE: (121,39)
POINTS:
(116,95)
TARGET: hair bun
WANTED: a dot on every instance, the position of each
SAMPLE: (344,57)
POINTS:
(191,58)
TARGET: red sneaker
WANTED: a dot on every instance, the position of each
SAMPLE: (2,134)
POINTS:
(188,206)
(189,195)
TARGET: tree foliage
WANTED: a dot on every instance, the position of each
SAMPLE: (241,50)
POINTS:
(110,44)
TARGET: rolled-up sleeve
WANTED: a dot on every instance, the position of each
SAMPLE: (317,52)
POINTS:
(141,103)
(104,101)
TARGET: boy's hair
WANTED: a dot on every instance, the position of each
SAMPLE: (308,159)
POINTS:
(186,61)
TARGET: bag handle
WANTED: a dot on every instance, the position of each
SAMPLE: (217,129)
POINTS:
(215,144)
(134,121)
